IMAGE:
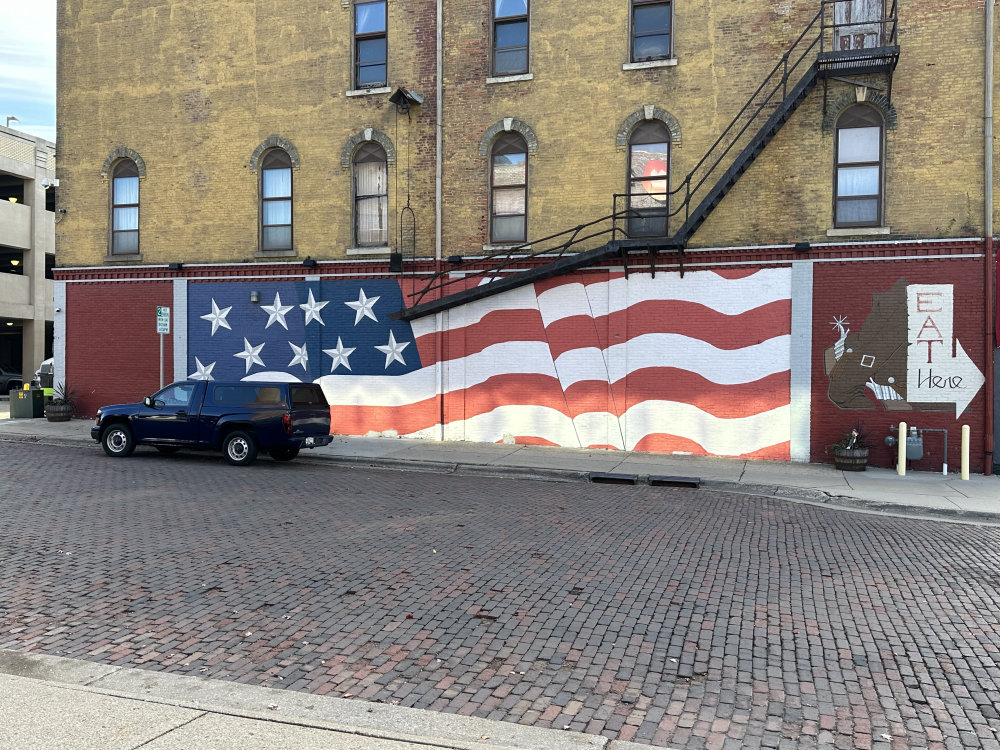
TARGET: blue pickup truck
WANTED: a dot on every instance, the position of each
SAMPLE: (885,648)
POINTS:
(238,418)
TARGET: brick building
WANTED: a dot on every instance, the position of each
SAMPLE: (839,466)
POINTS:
(724,227)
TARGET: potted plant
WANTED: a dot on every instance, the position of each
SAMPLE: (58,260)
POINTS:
(60,408)
(851,452)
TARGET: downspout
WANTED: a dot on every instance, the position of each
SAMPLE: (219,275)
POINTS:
(438,133)
(990,266)
(438,143)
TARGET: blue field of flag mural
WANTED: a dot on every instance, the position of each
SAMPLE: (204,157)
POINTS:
(299,330)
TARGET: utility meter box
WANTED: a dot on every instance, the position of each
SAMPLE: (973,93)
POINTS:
(914,446)
(27,404)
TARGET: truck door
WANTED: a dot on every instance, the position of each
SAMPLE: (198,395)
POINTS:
(173,417)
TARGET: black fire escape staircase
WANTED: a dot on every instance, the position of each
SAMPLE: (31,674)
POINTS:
(832,46)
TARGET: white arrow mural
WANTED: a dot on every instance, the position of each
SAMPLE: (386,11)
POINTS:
(938,369)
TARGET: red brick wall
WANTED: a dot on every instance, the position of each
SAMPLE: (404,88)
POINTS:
(846,289)
(112,348)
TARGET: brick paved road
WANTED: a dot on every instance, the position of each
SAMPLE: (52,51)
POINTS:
(671,617)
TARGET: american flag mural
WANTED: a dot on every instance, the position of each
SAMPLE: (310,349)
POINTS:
(696,365)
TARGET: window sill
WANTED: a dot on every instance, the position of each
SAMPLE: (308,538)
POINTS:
(511,79)
(378,250)
(123,258)
(857,231)
(668,63)
(275,254)
(369,92)
(505,248)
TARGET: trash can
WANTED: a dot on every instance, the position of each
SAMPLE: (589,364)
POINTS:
(28,404)
(44,375)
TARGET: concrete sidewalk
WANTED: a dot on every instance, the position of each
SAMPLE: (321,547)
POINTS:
(53,703)
(922,494)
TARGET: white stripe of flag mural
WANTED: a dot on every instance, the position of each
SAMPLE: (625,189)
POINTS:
(697,365)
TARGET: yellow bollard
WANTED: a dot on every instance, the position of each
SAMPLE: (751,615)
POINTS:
(901,450)
(965,452)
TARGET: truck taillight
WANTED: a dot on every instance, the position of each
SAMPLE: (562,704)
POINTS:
(286,421)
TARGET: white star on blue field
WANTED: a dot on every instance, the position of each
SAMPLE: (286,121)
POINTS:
(299,330)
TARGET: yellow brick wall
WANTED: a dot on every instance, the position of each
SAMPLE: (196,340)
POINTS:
(195,85)
(194,88)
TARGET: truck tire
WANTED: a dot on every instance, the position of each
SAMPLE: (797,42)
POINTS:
(239,448)
(117,441)
(283,454)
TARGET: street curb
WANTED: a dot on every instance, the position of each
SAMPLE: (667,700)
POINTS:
(458,468)
(455,467)
(342,715)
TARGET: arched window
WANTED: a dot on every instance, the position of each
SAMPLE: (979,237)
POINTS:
(371,196)
(649,179)
(125,208)
(857,187)
(276,201)
(509,189)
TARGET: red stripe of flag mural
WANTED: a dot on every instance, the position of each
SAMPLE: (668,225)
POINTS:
(699,364)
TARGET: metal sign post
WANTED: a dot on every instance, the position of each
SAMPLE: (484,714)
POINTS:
(162,327)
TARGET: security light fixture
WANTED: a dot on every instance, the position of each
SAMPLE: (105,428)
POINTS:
(802,247)
(404,99)
(309,263)
(175,266)
(254,297)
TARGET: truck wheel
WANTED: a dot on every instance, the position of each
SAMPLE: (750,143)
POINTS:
(117,441)
(239,448)
(284,454)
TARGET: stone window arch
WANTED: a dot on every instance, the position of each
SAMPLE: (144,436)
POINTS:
(368,134)
(120,153)
(272,142)
(508,125)
(862,94)
(647,112)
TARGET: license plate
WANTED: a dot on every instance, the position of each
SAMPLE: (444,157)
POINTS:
(310,441)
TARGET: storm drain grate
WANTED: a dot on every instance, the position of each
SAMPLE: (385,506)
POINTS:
(599,477)
(668,481)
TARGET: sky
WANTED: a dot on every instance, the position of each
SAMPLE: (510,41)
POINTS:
(28,66)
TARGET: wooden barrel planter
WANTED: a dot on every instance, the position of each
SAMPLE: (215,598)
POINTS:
(850,459)
(59,412)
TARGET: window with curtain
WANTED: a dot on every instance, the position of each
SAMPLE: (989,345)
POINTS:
(510,37)
(371,196)
(648,179)
(651,32)
(370,45)
(509,189)
(125,208)
(859,158)
(276,201)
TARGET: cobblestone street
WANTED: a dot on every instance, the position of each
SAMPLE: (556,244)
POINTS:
(672,617)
